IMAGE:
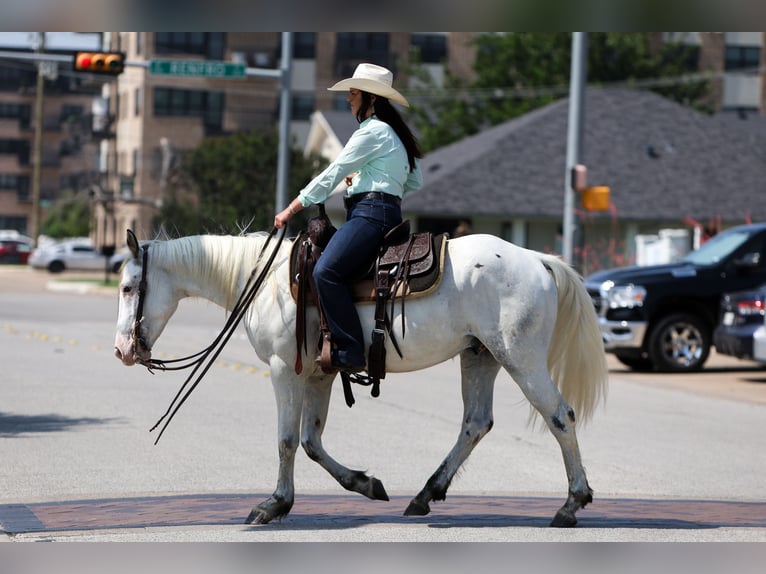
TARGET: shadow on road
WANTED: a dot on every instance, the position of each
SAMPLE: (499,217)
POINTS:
(14,425)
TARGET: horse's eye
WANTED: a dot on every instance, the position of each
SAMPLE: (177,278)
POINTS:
(127,289)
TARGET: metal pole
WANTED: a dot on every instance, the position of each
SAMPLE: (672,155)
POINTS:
(37,156)
(574,134)
(283,159)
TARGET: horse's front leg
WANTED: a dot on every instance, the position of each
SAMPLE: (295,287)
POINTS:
(316,400)
(478,373)
(288,390)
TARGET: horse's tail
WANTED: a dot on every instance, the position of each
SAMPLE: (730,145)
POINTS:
(576,358)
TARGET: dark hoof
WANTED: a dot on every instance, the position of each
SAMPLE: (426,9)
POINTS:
(257,516)
(563,519)
(378,492)
(417,508)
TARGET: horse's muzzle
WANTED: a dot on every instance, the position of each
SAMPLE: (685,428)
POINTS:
(129,353)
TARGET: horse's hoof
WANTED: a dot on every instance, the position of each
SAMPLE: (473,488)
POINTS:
(257,516)
(563,519)
(417,508)
(378,492)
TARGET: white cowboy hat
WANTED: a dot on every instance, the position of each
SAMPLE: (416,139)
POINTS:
(373,79)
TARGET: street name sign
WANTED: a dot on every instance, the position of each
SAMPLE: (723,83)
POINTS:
(197,68)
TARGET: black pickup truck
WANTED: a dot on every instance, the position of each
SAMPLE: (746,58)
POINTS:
(662,317)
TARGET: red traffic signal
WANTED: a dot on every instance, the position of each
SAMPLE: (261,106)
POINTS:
(110,63)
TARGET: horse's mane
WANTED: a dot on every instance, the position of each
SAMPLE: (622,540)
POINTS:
(216,260)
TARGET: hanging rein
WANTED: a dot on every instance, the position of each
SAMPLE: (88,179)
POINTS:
(205,358)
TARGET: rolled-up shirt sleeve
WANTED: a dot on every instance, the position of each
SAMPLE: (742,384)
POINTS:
(360,147)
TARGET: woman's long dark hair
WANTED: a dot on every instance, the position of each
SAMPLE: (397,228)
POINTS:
(389,114)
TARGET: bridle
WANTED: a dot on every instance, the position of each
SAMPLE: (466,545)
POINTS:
(138,340)
(205,358)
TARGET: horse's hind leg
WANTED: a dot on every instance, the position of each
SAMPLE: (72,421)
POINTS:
(544,396)
(315,406)
(478,373)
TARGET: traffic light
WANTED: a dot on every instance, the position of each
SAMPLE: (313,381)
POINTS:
(596,198)
(110,63)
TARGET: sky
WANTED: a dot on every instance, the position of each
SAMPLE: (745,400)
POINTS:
(53,40)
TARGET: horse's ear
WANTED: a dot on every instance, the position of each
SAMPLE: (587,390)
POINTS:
(133,244)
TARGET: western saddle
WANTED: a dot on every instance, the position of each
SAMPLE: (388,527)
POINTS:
(407,266)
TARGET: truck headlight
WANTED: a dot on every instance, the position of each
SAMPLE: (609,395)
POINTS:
(623,296)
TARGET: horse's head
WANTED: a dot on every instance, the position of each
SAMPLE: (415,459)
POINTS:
(146,304)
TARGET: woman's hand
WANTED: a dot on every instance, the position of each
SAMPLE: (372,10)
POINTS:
(283,217)
(349,179)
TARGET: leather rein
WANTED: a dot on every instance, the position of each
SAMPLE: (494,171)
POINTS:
(203,359)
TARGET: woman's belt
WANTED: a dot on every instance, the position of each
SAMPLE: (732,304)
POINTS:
(351,200)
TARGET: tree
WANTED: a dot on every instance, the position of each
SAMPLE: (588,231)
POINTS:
(69,217)
(227,184)
(518,72)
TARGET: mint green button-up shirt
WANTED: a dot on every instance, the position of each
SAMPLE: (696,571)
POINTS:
(378,158)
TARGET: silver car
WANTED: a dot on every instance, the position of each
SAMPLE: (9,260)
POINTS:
(75,254)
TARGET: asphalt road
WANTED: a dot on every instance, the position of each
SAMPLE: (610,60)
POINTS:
(670,458)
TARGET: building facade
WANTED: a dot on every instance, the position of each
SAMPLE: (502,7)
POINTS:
(69,143)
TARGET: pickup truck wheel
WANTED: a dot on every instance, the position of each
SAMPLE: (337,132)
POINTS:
(679,343)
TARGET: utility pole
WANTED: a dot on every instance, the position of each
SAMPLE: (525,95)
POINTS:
(578,73)
(283,157)
(37,155)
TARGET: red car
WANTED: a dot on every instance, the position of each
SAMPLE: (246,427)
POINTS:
(14,251)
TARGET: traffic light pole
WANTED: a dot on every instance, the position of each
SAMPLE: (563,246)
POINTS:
(37,168)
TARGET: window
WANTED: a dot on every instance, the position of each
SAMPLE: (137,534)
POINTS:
(20,148)
(303,105)
(432,47)
(17,222)
(71,113)
(742,57)
(190,103)
(17,183)
(16,111)
(12,78)
(355,47)
(137,103)
(304,45)
(210,45)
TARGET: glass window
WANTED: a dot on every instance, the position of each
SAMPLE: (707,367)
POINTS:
(741,57)
(304,45)
(432,47)
(206,44)
(191,103)
(302,106)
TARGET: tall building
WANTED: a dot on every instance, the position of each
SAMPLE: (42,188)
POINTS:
(69,147)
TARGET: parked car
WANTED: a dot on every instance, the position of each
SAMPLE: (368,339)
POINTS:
(662,317)
(76,254)
(14,251)
(742,313)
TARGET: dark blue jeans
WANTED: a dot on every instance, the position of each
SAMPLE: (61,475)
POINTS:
(354,245)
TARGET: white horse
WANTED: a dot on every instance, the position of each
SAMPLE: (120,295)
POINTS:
(508,307)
